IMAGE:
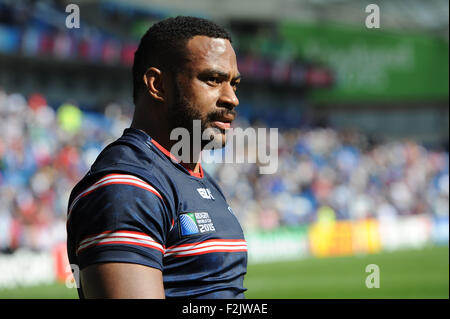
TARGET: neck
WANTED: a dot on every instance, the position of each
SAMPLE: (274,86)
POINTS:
(160,132)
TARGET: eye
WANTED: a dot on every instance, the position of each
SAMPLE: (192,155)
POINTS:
(213,80)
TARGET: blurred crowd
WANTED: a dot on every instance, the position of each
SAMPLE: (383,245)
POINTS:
(26,30)
(325,174)
(44,151)
(321,172)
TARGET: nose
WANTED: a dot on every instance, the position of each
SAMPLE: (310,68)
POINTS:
(228,97)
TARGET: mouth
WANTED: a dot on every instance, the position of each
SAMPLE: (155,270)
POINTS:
(223,123)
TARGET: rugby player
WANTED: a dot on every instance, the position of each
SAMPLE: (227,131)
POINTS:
(142,223)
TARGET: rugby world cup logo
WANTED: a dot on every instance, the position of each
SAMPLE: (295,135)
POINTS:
(196,223)
(188,224)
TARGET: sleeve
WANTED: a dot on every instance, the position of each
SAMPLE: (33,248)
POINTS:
(120,218)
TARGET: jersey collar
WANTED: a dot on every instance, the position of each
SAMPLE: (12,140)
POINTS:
(169,154)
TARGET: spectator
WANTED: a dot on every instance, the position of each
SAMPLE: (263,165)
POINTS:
(321,171)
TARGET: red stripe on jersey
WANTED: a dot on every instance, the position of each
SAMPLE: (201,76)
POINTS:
(90,237)
(209,251)
(103,238)
(208,241)
(112,179)
(120,243)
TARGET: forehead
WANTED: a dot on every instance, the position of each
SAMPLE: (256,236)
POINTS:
(216,53)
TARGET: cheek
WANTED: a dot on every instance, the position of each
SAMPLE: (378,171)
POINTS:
(204,99)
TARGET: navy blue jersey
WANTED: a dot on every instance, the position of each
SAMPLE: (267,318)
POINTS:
(137,204)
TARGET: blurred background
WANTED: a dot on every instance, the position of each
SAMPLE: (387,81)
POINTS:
(363,117)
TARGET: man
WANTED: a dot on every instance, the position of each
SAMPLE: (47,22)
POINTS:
(142,223)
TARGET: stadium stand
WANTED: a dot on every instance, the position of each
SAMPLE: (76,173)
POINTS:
(44,153)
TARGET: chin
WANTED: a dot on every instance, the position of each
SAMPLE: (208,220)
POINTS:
(217,141)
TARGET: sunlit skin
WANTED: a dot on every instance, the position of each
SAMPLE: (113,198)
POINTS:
(204,89)
(210,81)
(207,85)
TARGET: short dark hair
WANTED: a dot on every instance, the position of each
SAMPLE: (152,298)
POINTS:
(164,44)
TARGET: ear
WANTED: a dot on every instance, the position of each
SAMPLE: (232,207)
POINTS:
(154,82)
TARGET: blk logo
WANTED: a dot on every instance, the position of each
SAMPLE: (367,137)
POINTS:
(205,193)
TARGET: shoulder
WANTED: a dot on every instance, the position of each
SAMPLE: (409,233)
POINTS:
(127,161)
(126,151)
(110,187)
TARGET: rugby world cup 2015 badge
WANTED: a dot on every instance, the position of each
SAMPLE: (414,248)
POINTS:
(196,223)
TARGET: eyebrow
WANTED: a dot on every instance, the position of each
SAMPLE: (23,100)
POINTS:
(220,74)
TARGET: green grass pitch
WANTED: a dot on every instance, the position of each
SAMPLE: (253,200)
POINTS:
(403,274)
